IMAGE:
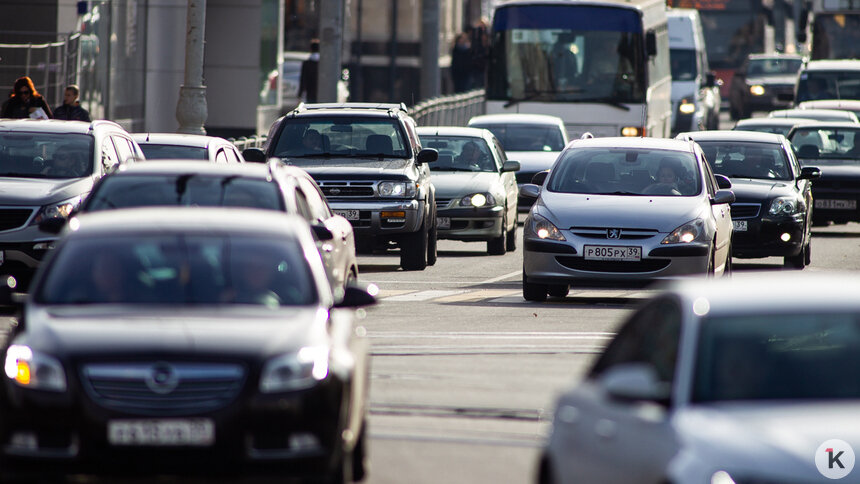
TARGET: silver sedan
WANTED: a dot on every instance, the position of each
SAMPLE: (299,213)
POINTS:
(623,209)
(750,380)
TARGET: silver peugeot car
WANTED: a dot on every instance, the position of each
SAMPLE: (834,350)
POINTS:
(623,209)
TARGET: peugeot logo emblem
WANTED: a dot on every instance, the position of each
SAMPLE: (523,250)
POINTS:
(162,378)
(613,233)
(334,191)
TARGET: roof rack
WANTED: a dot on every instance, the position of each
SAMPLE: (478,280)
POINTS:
(386,106)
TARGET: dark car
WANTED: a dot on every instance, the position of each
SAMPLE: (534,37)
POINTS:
(765,82)
(835,148)
(772,211)
(184,341)
(270,187)
(368,161)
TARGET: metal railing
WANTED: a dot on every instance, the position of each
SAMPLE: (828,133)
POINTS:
(248,142)
(52,66)
(453,110)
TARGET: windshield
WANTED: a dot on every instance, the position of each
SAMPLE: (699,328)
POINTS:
(567,53)
(127,191)
(460,153)
(822,144)
(620,171)
(773,357)
(167,152)
(683,64)
(526,137)
(731,35)
(836,36)
(318,137)
(773,67)
(46,155)
(177,269)
(814,86)
(747,160)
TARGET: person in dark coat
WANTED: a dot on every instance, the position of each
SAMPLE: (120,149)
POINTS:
(24,101)
(461,63)
(71,109)
(308,78)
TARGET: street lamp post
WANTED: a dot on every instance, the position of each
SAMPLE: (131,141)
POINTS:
(191,110)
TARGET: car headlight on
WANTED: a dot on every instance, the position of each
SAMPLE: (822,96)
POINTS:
(757,90)
(687,107)
(544,229)
(296,371)
(31,369)
(58,210)
(783,206)
(477,200)
(396,189)
(722,477)
(689,232)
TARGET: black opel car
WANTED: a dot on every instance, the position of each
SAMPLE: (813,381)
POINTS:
(772,212)
(185,341)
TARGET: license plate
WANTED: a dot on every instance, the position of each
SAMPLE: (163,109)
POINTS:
(348,214)
(611,252)
(739,225)
(443,222)
(836,204)
(167,432)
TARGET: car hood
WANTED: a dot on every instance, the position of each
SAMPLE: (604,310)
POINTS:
(772,80)
(114,331)
(339,168)
(41,191)
(663,214)
(533,161)
(773,442)
(459,183)
(750,190)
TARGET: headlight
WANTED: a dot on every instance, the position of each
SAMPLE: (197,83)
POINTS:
(757,90)
(477,200)
(31,369)
(58,210)
(687,107)
(544,229)
(396,189)
(783,206)
(295,371)
(689,232)
(722,477)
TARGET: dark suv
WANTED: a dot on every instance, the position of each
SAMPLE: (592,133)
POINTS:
(368,161)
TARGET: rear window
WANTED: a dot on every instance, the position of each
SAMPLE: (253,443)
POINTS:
(747,160)
(837,144)
(524,137)
(166,152)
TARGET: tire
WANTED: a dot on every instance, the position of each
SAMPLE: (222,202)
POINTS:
(413,250)
(558,290)
(734,113)
(808,259)
(533,292)
(511,244)
(796,261)
(498,245)
(432,246)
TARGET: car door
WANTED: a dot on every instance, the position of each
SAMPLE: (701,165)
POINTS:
(721,213)
(804,187)
(598,438)
(508,180)
(342,254)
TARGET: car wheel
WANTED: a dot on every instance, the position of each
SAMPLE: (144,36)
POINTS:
(734,113)
(533,292)
(796,261)
(808,259)
(432,250)
(413,250)
(558,290)
(511,244)
(545,472)
(498,245)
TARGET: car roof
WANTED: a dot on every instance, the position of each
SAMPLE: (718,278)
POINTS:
(178,167)
(831,104)
(452,131)
(771,121)
(177,139)
(733,135)
(541,119)
(385,110)
(53,125)
(622,142)
(799,113)
(828,124)
(833,65)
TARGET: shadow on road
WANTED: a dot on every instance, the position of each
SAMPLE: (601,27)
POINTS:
(373,268)
(836,235)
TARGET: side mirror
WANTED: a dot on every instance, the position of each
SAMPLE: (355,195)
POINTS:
(254,155)
(540,177)
(723,182)
(529,191)
(52,225)
(511,166)
(723,196)
(356,295)
(634,382)
(321,232)
(711,80)
(427,155)
(651,43)
(809,173)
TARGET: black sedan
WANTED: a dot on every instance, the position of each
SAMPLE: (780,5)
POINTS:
(835,147)
(773,194)
(184,341)
(765,82)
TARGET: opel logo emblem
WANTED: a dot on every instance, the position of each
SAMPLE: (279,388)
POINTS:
(613,233)
(334,191)
(162,378)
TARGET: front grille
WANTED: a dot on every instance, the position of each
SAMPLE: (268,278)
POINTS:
(745,210)
(443,202)
(580,264)
(13,218)
(347,188)
(603,233)
(189,388)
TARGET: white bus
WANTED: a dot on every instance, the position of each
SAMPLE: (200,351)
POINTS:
(835,29)
(601,66)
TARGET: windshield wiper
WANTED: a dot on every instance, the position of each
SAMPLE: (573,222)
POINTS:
(528,97)
(284,156)
(621,192)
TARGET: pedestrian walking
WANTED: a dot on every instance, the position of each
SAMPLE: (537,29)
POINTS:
(480,43)
(25,102)
(461,63)
(71,109)
(308,77)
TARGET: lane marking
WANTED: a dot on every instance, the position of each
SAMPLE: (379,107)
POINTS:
(384,293)
(502,278)
(424,295)
(477,295)
(493,335)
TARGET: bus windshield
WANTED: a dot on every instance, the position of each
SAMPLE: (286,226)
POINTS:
(564,53)
(836,36)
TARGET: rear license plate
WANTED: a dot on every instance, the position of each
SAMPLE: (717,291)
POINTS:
(167,432)
(836,204)
(443,222)
(348,214)
(611,252)
(739,225)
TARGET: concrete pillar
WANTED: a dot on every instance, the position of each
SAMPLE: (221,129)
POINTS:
(430,77)
(331,44)
(191,110)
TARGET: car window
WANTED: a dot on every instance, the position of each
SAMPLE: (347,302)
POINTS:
(221,156)
(710,181)
(233,155)
(747,160)
(124,148)
(835,145)
(303,206)
(173,152)
(362,138)
(110,158)
(45,155)
(460,153)
(317,205)
(525,137)
(501,152)
(172,269)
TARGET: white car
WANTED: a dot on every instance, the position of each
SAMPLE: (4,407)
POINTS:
(747,380)
(174,146)
(815,114)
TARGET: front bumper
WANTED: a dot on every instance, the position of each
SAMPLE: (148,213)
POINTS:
(763,237)
(371,222)
(22,250)
(472,224)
